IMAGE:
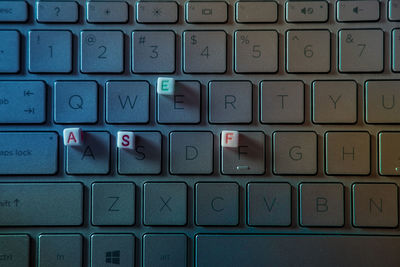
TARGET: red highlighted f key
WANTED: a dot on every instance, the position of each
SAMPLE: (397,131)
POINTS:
(230,139)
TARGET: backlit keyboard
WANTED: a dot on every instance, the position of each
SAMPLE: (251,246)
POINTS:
(199,133)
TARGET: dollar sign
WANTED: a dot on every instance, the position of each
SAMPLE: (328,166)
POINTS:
(194,40)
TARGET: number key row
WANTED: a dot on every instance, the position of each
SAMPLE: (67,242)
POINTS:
(307,51)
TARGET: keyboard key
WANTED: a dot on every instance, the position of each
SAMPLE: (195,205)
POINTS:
(389,155)
(50,51)
(256,51)
(183,106)
(382,101)
(321,204)
(102,51)
(334,101)
(107,12)
(394,10)
(229,139)
(269,204)
(153,52)
(230,102)
(206,12)
(127,101)
(351,11)
(35,204)
(282,102)
(75,102)
(204,52)
(93,157)
(14,250)
(165,204)
(191,153)
(306,11)
(347,153)
(247,158)
(295,153)
(61,250)
(156,12)
(13,11)
(72,137)
(126,140)
(22,102)
(226,250)
(217,204)
(112,250)
(57,12)
(113,204)
(308,51)
(37,152)
(167,250)
(165,86)
(145,158)
(256,12)
(361,50)
(396,49)
(375,205)
(9,51)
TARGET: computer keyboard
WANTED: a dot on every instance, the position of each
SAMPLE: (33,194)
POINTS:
(199,133)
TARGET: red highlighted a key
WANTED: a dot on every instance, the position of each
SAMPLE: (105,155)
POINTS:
(72,136)
(230,139)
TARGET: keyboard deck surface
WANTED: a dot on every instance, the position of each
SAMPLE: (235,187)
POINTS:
(277,145)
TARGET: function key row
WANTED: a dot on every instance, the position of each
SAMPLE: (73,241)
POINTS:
(179,102)
(255,51)
(193,153)
(197,11)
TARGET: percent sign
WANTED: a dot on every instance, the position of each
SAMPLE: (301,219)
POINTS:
(245,39)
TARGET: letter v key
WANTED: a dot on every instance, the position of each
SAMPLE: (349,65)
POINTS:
(269,208)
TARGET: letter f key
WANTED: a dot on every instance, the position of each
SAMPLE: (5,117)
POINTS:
(126,140)
(230,139)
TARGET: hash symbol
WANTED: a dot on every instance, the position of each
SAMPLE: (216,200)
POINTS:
(142,40)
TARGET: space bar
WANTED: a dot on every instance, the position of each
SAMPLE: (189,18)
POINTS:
(296,250)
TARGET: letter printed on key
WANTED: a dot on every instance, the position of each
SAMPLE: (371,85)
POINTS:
(126,140)
(72,136)
(230,139)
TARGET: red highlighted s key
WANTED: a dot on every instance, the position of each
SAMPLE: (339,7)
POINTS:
(126,140)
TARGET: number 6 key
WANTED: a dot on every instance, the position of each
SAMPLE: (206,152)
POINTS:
(308,51)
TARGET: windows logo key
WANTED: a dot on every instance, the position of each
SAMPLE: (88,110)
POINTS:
(113,257)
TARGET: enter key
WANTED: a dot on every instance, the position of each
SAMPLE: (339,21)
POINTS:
(389,153)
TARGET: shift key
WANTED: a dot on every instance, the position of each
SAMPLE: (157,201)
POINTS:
(28,153)
(22,102)
(35,204)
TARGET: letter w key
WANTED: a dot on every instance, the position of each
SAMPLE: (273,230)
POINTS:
(127,102)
